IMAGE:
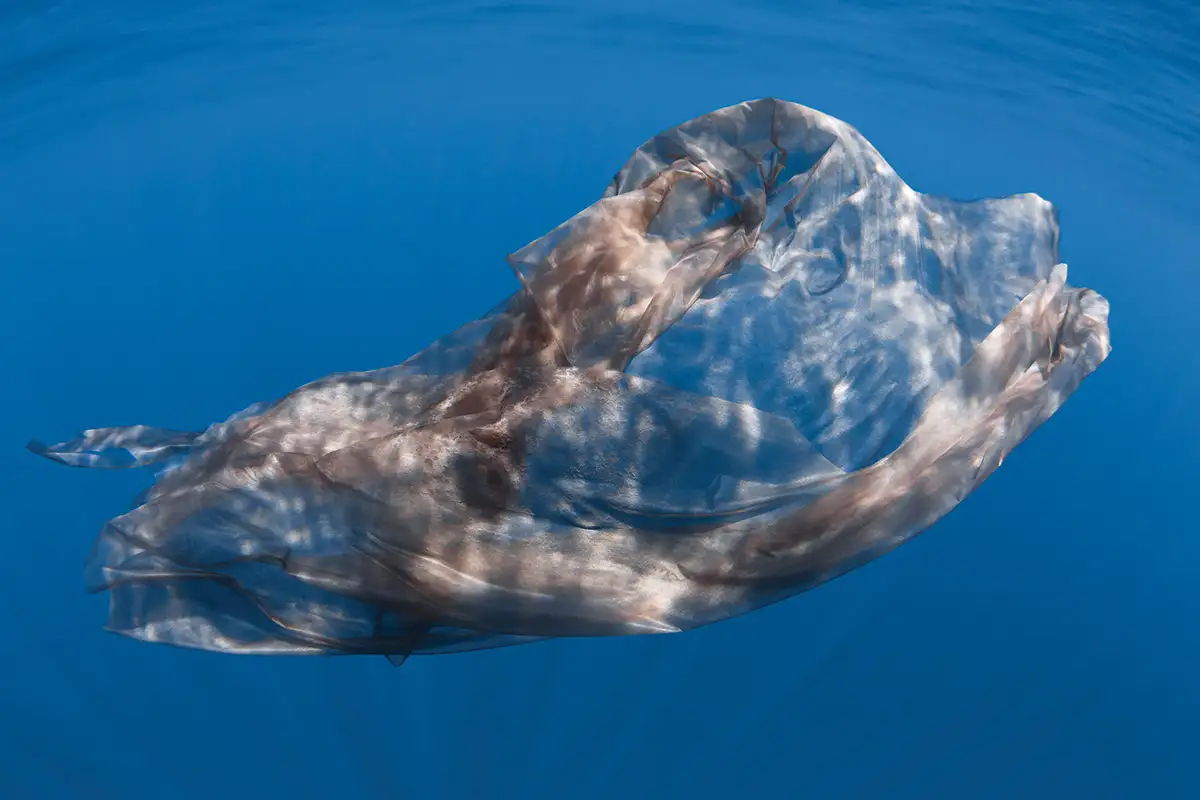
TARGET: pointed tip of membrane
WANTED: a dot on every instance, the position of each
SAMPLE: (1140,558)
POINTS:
(40,448)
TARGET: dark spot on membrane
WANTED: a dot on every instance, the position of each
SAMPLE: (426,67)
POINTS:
(484,483)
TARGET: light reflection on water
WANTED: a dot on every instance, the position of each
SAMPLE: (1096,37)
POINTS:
(1120,72)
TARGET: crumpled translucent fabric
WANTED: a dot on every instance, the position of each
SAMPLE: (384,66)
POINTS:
(757,362)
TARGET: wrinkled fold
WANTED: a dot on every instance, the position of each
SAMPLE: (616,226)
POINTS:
(759,360)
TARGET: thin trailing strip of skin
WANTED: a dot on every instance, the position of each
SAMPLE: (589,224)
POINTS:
(759,360)
(119,448)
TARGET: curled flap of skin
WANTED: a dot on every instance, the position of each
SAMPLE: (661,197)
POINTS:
(618,274)
(859,300)
(684,209)
(1018,376)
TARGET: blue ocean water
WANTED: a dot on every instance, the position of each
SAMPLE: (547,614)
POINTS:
(204,206)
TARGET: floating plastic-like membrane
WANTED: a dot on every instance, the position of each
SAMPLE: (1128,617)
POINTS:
(757,362)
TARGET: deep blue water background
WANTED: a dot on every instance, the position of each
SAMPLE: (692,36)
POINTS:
(206,206)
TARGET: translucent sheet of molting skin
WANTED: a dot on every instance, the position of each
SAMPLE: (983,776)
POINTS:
(758,361)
